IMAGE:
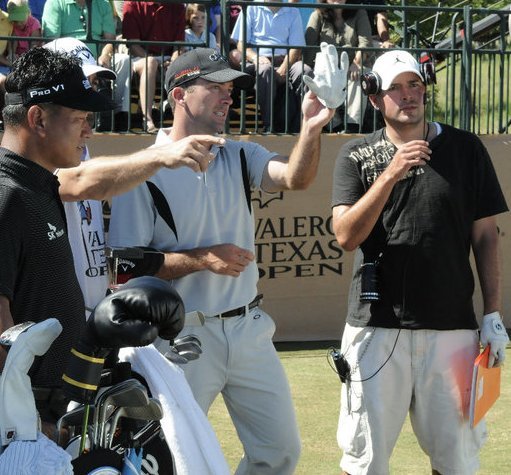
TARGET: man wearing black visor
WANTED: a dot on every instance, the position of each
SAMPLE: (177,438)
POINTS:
(48,103)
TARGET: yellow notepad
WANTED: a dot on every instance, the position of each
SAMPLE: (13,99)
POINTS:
(485,387)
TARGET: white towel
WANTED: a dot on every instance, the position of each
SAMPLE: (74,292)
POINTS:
(18,415)
(190,437)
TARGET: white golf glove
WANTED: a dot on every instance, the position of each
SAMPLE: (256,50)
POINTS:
(329,83)
(494,333)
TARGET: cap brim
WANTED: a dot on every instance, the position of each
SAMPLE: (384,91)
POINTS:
(90,69)
(387,81)
(90,101)
(240,79)
(17,17)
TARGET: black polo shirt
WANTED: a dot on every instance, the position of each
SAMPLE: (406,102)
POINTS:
(36,265)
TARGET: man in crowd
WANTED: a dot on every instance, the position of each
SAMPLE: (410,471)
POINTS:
(152,21)
(279,26)
(414,199)
(203,223)
(71,19)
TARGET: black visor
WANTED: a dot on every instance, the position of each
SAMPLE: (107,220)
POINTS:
(75,92)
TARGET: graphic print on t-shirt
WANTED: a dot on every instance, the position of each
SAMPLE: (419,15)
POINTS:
(374,159)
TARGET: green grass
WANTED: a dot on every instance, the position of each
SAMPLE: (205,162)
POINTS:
(491,108)
(315,389)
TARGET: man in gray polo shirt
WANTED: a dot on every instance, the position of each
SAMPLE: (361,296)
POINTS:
(204,224)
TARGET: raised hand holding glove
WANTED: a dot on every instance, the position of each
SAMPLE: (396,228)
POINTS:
(494,333)
(329,83)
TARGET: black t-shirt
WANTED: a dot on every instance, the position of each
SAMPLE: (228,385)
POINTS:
(36,265)
(425,278)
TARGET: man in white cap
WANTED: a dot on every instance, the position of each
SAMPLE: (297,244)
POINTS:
(82,188)
(413,199)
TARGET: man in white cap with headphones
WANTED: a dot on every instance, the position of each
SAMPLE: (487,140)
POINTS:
(414,199)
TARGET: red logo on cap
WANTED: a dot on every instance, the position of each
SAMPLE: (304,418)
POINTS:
(187,72)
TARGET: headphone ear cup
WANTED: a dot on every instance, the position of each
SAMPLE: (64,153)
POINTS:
(428,72)
(371,83)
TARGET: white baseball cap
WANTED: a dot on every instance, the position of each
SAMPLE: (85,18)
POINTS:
(392,63)
(76,48)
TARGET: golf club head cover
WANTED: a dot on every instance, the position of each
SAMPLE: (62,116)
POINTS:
(147,263)
(141,310)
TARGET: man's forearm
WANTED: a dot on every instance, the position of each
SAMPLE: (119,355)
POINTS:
(304,159)
(353,226)
(104,177)
(485,245)
(180,264)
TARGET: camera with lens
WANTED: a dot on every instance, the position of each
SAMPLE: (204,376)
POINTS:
(370,282)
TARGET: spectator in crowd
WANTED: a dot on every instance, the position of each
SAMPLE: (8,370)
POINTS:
(36,8)
(215,19)
(278,26)
(234,53)
(206,229)
(414,199)
(379,21)
(305,13)
(43,132)
(70,19)
(5,45)
(152,21)
(24,24)
(196,27)
(348,28)
(5,53)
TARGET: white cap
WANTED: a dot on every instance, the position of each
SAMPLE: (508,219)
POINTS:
(392,63)
(80,50)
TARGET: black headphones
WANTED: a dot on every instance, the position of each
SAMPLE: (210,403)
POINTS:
(371,81)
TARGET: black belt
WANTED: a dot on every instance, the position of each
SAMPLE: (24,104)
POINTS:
(237,312)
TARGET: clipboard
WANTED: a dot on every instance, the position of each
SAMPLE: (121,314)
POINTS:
(485,387)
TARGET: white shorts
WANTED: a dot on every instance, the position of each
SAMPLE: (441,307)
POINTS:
(428,375)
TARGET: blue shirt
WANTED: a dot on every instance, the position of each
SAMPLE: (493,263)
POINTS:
(36,7)
(284,27)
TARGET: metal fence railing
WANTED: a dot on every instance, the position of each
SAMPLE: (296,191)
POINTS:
(469,46)
(471,53)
